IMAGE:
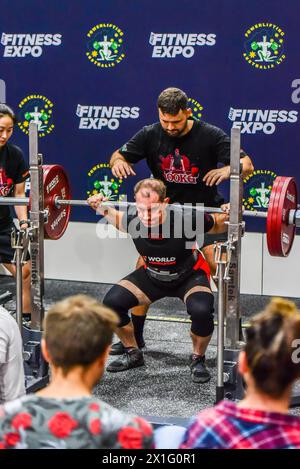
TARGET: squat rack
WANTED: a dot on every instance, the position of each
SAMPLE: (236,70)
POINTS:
(228,259)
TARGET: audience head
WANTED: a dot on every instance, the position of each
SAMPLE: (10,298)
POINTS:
(269,360)
(77,333)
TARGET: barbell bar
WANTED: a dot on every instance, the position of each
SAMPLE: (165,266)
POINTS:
(123,204)
(283,215)
(14,201)
(25,201)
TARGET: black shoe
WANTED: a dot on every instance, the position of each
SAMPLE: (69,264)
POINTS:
(26,319)
(119,349)
(130,359)
(26,322)
(200,373)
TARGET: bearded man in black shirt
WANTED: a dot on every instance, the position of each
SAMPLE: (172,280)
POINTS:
(185,154)
(13,173)
(164,235)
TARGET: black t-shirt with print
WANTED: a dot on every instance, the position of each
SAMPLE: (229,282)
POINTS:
(13,170)
(182,162)
(168,246)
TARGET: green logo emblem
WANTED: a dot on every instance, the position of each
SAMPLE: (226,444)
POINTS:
(257,189)
(38,109)
(264,46)
(105,45)
(101,181)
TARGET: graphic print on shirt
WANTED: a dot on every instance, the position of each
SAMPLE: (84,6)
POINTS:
(6,184)
(178,168)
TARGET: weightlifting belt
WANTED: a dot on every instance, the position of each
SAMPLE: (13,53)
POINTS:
(170,276)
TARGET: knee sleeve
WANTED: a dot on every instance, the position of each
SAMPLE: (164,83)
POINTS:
(120,300)
(200,306)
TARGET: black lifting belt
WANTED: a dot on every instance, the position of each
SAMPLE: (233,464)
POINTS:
(170,276)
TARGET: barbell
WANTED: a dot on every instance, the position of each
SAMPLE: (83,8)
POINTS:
(282,216)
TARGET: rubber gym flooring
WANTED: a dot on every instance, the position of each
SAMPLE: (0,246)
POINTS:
(163,388)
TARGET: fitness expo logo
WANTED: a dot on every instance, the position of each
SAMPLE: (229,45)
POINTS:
(196,108)
(99,117)
(257,189)
(171,45)
(264,46)
(38,109)
(22,45)
(252,121)
(105,46)
(101,181)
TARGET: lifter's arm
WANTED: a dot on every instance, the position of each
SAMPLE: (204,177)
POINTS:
(21,211)
(220,225)
(113,216)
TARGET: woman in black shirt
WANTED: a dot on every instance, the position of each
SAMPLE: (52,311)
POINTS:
(13,173)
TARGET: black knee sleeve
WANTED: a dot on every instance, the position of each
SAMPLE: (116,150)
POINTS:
(120,300)
(200,306)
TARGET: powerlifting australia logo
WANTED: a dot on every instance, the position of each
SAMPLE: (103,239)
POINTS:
(196,108)
(257,189)
(38,109)
(264,46)
(101,181)
(171,45)
(105,46)
(23,45)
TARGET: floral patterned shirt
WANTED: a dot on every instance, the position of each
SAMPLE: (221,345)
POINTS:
(75,423)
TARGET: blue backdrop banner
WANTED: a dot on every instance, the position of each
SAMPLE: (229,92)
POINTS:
(89,73)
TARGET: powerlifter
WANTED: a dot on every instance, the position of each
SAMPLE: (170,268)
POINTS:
(172,269)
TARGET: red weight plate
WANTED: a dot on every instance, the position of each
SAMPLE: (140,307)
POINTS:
(272,239)
(290,202)
(287,202)
(280,235)
(56,184)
